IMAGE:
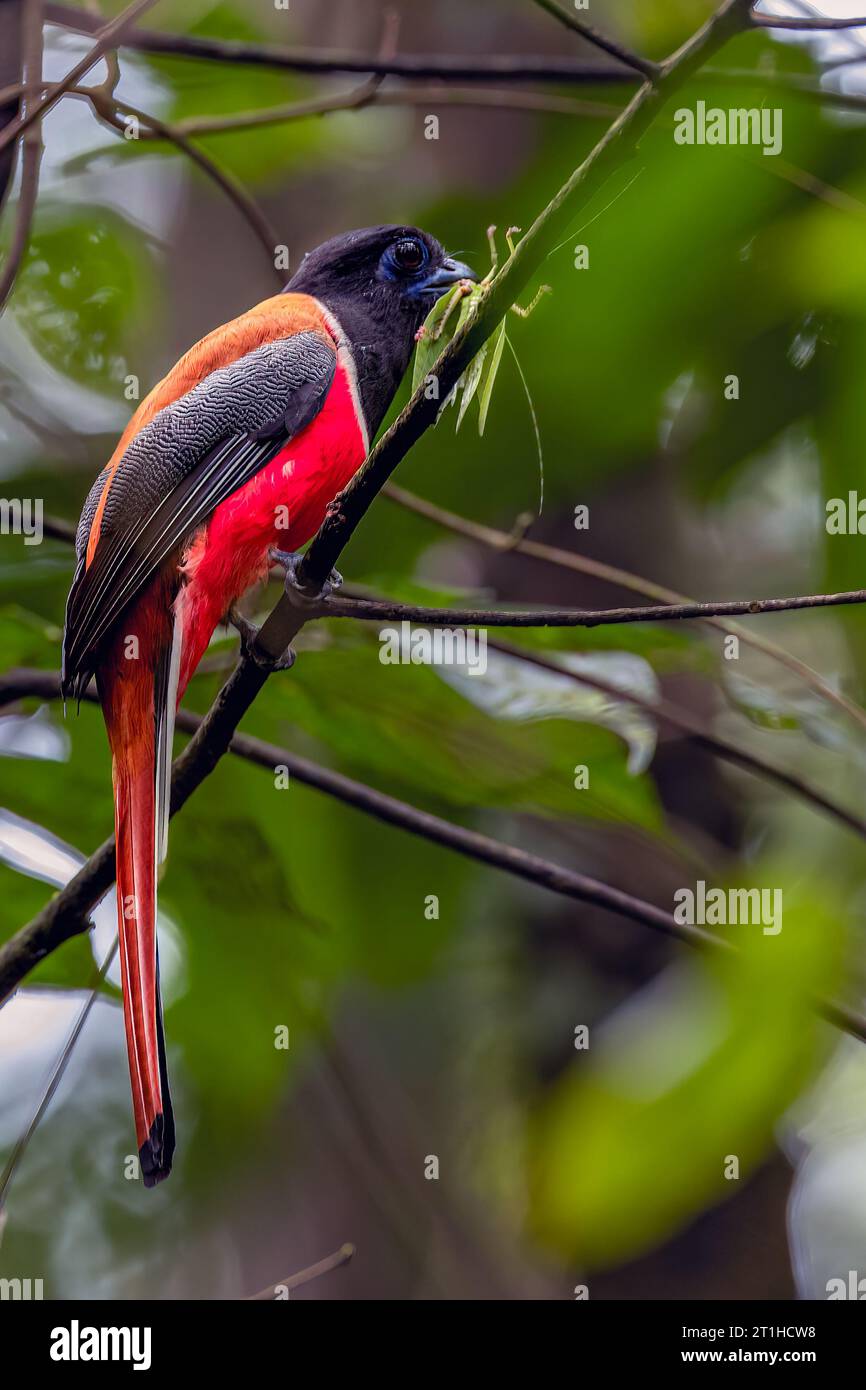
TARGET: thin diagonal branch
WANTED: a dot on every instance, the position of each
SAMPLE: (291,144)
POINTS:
(306,1276)
(694,728)
(611,574)
(31,153)
(110,111)
(216,731)
(586,31)
(491,67)
(385,610)
(663,710)
(400,96)
(819,24)
(66,915)
(17,1153)
(108,36)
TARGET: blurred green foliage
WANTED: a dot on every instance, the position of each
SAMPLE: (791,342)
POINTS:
(680,1091)
(702,262)
(82,285)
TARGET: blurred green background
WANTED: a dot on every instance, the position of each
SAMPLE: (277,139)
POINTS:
(454,1036)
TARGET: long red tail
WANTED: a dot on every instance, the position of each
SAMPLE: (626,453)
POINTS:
(138,700)
(134,810)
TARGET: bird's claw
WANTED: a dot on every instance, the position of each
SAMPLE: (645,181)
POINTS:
(249,633)
(246,630)
(333,582)
(300,596)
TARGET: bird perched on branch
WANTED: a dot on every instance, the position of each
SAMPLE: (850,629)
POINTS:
(232,458)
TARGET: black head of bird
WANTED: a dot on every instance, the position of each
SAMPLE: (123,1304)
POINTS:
(380,283)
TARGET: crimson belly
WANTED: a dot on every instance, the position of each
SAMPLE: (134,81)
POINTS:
(282,506)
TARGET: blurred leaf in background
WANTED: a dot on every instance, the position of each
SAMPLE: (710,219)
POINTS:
(675,1099)
(82,285)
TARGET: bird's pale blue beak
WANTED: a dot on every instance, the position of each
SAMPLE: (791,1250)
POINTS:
(448,274)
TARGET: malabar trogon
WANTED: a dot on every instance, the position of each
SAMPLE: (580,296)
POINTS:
(240,448)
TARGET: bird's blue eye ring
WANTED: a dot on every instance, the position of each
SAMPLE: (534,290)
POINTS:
(409,255)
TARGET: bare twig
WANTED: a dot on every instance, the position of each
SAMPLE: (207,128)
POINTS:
(694,728)
(11,63)
(107,37)
(686,723)
(578,26)
(306,1276)
(611,574)
(446,68)
(15,1157)
(67,914)
(31,156)
(111,111)
(399,96)
(848,60)
(385,610)
(817,25)
(816,187)
(673,606)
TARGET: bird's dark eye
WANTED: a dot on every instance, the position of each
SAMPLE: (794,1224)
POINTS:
(409,254)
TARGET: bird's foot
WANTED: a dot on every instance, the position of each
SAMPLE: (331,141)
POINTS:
(246,630)
(249,633)
(300,596)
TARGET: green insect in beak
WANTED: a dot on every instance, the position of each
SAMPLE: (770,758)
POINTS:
(447,318)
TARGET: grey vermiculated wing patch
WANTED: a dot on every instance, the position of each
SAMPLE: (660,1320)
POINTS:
(242,398)
(193,455)
(88,512)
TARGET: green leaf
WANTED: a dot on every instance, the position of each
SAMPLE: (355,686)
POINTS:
(470,381)
(434,338)
(431,344)
(798,709)
(485,390)
(516,690)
